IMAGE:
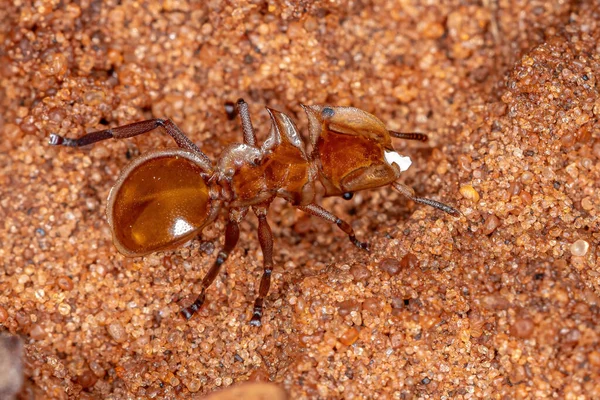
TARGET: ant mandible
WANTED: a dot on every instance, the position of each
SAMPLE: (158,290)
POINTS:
(165,198)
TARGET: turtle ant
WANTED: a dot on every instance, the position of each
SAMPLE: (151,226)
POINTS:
(165,198)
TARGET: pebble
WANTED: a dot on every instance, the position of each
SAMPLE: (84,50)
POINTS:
(469,193)
(580,248)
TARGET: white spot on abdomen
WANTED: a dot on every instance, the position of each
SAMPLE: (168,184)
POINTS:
(181,227)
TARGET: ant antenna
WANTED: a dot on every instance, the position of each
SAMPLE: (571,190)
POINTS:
(409,135)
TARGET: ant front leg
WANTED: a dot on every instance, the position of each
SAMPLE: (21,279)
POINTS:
(410,193)
(265,238)
(131,130)
(320,212)
(247,128)
(232,234)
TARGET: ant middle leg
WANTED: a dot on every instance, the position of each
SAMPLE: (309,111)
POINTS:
(232,234)
(265,238)
(410,193)
(320,212)
(131,130)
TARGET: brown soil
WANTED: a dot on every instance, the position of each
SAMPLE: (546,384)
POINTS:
(502,302)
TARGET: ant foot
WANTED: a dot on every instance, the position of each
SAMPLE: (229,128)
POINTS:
(257,313)
(255,321)
(188,312)
(361,245)
(57,140)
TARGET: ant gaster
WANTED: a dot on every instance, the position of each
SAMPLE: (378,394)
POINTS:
(165,198)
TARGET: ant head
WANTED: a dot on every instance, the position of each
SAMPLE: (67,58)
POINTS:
(161,200)
(353,150)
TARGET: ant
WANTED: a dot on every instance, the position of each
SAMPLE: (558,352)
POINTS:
(165,198)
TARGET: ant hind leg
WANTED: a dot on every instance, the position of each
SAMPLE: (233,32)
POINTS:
(232,234)
(131,130)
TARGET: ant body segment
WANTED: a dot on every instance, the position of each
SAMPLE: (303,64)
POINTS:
(165,198)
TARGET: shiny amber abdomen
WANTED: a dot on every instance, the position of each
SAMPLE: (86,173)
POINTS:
(159,204)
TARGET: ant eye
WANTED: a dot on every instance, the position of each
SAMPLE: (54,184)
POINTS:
(348,195)
(327,112)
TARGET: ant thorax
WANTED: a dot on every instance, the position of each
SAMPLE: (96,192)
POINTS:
(279,168)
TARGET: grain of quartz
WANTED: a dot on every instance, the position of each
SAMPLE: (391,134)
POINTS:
(3,314)
(469,193)
(580,248)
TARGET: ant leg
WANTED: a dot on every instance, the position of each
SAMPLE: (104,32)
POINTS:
(265,238)
(232,234)
(249,135)
(130,130)
(410,193)
(409,136)
(320,212)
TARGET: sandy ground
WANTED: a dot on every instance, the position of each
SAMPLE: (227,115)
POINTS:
(500,303)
